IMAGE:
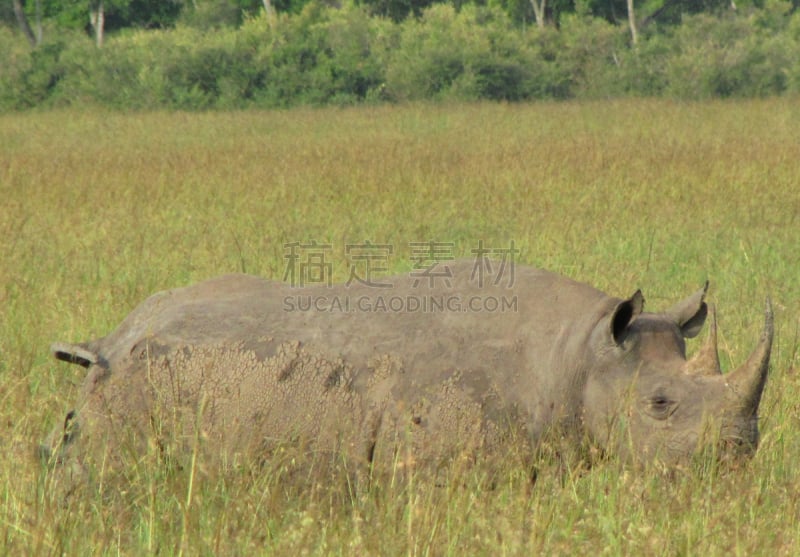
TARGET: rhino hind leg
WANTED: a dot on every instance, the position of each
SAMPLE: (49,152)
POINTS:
(74,353)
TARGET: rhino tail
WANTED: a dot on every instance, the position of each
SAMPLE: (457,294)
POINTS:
(79,354)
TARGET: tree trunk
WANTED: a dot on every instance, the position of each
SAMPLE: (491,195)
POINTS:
(632,22)
(22,20)
(97,18)
(539,7)
(270,10)
(39,33)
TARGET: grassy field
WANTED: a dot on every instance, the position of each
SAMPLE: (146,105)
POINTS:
(101,209)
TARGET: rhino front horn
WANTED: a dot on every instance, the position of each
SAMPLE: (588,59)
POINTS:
(706,361)
(748,381)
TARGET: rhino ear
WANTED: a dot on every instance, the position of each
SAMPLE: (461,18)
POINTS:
(690,314)
(624,314)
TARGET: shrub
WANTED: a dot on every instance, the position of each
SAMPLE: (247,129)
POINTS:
(473,54)
(590,55)
(323,55)
(28,77)
(729,56)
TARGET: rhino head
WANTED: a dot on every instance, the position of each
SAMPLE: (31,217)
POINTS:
(647,401)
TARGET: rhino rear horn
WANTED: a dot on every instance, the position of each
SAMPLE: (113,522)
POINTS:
(748,381)
(691,313)
(73,354)
(706,361)
(624,314)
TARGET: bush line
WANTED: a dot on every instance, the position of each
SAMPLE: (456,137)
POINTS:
(345,56)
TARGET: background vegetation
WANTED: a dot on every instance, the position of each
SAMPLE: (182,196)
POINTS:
(236,54)
(100,209)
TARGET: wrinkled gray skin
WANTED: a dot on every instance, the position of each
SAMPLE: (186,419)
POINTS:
(237,357)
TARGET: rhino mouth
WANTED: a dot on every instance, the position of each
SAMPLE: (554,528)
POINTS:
(740,439)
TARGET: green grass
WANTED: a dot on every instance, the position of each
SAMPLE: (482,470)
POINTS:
(101,209)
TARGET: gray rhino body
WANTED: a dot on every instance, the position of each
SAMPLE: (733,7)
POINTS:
(413,373)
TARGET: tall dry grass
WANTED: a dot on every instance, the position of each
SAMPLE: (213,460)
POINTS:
(101,209)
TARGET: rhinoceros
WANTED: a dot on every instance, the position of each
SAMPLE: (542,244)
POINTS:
(411,370)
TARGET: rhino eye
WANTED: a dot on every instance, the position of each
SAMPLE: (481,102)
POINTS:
(660,407)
